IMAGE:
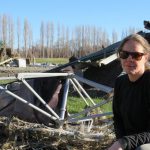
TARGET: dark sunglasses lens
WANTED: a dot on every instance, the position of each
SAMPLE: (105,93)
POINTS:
(137,56)
(124,55)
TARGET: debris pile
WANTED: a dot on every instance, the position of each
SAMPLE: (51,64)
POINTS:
(20,135)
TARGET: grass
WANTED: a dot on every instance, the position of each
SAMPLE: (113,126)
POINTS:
(76,104)
(6,81)
(52,60)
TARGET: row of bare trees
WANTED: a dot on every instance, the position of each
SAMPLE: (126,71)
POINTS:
(54,41)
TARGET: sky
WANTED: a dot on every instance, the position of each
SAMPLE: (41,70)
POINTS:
(110,15)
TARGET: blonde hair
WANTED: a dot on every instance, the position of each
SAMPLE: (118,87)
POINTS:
(138,38)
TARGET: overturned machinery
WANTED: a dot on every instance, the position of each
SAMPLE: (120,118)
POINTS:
(42,97)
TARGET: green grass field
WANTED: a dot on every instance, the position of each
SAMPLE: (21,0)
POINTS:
(52,60)
(76,104)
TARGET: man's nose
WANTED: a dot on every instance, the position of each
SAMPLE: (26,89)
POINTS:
(130,57)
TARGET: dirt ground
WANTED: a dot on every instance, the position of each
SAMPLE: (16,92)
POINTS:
(12,71)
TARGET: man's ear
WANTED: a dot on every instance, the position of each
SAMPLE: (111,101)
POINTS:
(147,57)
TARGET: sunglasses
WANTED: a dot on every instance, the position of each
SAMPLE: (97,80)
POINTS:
(135,55)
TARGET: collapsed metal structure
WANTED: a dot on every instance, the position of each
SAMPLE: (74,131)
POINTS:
(35,90)
(70,78)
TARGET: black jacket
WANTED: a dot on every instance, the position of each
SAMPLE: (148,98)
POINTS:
(131,108)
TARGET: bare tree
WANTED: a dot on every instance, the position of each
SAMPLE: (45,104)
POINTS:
(83,40)
(18,34)
(11,33)
(132,30)
(67,43)
(0,27)
(99,41)
(124,34)
(26,33)
(58,41)
(30,43)
(88,39)
(48,39)
(78,38)
(62,42)
(105,40)
(4,33)
(114,36)
(72,45)
(94,39)
(51,39)
(42,39)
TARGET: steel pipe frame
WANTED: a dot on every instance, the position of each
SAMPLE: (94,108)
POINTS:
(74,79)
(41,75)
(103,88)
(76,116)
(79,92)
(71,78)
(89,117)
(64,101)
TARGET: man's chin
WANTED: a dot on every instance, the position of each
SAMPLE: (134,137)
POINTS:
(131,72)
